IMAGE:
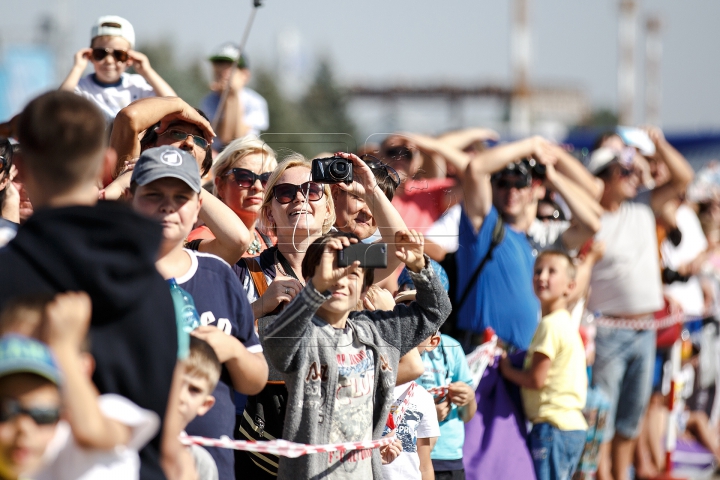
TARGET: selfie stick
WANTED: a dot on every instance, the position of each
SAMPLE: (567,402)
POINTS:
(226,90)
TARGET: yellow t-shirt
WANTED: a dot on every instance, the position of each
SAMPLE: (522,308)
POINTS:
(561,400)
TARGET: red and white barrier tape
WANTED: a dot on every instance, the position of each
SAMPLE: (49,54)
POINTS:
(438,391)
(397,411)
(284,448)
(479,359)
(649,323)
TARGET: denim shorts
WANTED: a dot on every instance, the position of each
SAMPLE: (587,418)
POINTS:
(623,370)
(555,452)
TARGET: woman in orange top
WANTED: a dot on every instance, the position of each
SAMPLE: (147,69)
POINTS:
(241,172)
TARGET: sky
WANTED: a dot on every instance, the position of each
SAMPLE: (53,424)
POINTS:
(464,42)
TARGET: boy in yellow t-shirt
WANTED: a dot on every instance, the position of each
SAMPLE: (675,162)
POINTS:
(553,380)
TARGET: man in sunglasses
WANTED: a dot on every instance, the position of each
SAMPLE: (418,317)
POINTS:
(626,285)
(111,52)
(154,122)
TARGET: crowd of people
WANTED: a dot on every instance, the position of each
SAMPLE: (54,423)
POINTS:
(165,280)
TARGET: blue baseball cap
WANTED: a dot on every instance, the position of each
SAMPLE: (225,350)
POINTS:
(19,354)
(404,279)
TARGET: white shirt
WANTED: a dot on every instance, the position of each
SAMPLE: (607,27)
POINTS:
(420,421)
(65,459)
(445,230)
(627,278)
(688,294)
(113,98)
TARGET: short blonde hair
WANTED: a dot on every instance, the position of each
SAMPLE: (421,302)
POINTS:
(291,161)
(239,149)
(202,362)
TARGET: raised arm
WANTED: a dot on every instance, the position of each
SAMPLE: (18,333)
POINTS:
(406,327)
(462,139)
(141,64)
(79,65)
(136,118)
(388,219)
(449,152)
(231,125)
(577,173)
(476,179)
(231,235)
(67,319)
(585,219)
(681,173)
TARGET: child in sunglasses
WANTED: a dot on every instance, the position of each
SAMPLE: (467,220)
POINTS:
(111,53)
(53,424)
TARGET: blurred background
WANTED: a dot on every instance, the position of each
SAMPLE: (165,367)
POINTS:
(561,68)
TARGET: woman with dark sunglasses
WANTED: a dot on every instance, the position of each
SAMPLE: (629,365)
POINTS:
(241,172)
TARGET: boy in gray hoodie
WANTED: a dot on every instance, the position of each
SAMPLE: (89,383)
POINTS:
(339,365)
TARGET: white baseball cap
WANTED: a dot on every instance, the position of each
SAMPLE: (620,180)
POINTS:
(114,26)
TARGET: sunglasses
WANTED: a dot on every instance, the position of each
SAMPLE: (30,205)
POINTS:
(245,178)
(399,153)
(287,192)
(519,183)
(553,216)
(4,163)
(625,172)
(9,409)
(182,136)
(385,171)
(99,54)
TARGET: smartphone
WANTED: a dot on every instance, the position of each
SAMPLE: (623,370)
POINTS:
(635,137)
(370,255)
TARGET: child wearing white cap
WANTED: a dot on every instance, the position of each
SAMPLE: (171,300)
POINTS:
(111,52)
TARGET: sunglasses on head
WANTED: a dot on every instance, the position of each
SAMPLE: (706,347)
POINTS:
(9,409)
(99,54)
(245,178)
(379,167)
(399,153)
(287,192)
(182,136)
(504,182)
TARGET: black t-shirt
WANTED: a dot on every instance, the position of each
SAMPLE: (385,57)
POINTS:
(221,302)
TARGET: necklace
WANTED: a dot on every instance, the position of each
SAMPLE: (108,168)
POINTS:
(255,246)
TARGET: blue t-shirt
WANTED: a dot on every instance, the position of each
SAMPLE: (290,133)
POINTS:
(503,297)
(220,301)
(444,365)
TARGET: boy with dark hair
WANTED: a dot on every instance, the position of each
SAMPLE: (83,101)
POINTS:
(554,380)
(166,187)
(74,242)
(339,365)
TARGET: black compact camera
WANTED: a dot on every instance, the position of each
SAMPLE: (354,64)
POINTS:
(332,170)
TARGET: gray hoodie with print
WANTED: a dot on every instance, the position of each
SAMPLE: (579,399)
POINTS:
(303,348)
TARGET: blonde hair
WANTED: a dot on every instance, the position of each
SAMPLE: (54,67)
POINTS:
(291,161)
(202,362)
(239,149)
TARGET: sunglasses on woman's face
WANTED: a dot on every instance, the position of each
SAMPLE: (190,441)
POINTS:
(287,192)
(9,409)
(245,178)
(379,167)
(99,54)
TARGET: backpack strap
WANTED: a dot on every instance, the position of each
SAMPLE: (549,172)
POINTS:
(257,275)
(497,236)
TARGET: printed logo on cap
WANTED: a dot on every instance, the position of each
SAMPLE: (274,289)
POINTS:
(171,158)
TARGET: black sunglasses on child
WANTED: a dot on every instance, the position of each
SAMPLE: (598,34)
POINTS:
(245,178)
(287,192)
(99,54)
(10,409)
